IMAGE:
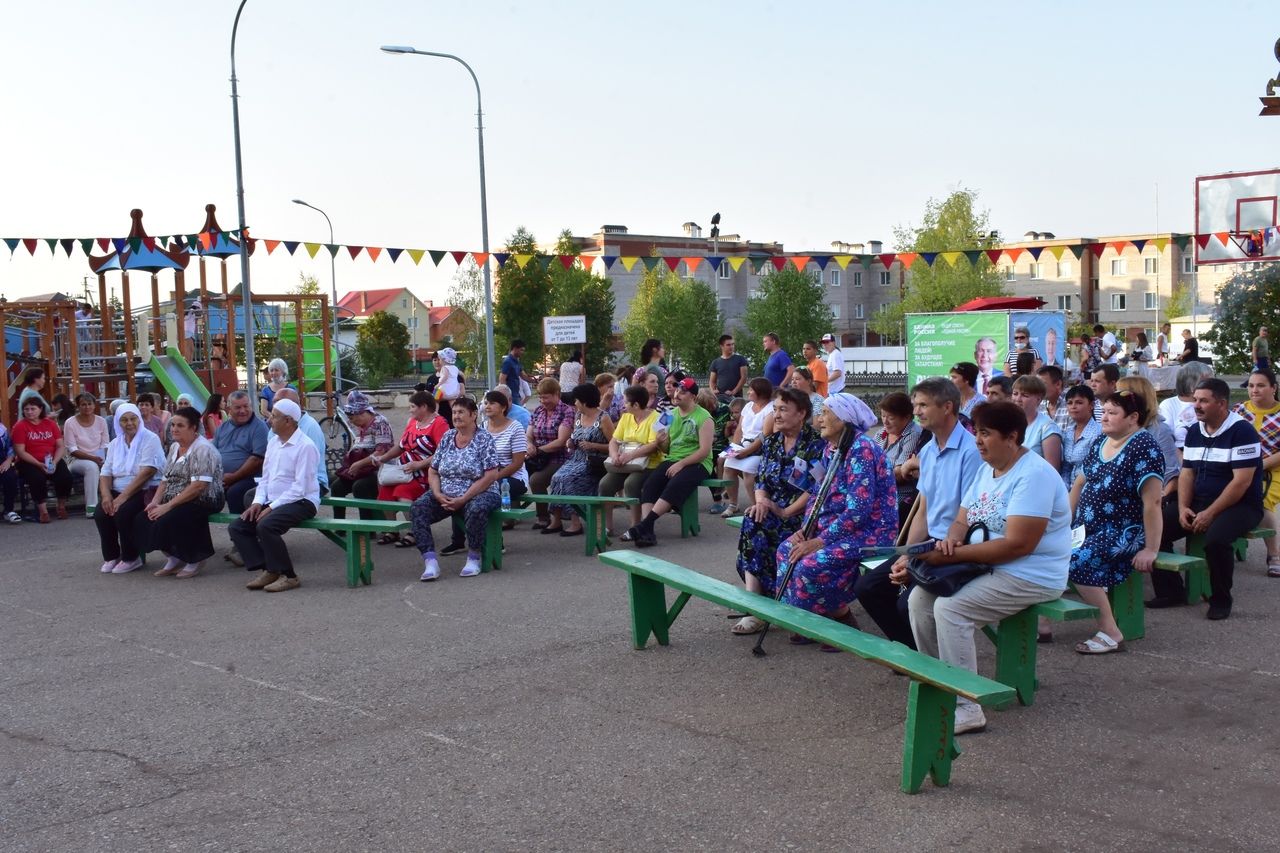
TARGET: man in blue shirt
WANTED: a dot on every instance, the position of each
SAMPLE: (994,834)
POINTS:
(778,368)
(512,371)
(242,441)
(946,466)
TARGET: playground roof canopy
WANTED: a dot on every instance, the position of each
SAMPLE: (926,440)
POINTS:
(147,258)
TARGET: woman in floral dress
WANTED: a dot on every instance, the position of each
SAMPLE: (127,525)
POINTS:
(581,472)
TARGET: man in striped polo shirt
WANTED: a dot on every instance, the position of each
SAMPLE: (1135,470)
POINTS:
(1219,495)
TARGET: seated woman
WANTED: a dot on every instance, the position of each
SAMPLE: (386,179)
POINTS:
(1021,501)
(9,476)
(128,480)
(211,418)
(1118,502)
(789,460)
(581,472)
(412,453)
(900,438)
(39,446)
(87,439)
(463,478)
(635,437)
(1262,409)
(860,510)
(176,521)
(742,459)
(511,445)
(547,436)
(687,443)
(1154,424)
(1078,440)
(1044,437)
(358,475)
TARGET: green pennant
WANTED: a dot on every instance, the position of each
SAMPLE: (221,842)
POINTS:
(974,255)
(12,243)
(1182,241)
(758,264)
(333,249)
(164,241)
(1076,251)
(543,262)
(53,244)
(193,240)
(866,261)
(135,243)
(650,263)
(86,243)
(437,255)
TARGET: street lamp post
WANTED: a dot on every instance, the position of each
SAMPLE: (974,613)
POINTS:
(333,280)
(484,204)
(246,298)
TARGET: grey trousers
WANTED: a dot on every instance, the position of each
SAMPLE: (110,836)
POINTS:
(261,543)
(943,627)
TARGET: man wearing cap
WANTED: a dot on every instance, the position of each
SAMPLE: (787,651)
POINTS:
(835,363)
(309,427)
(288,494)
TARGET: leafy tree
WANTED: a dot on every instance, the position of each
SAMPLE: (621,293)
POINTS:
(1180,301)
(312,318)
(1249,299)
(683,313)
(382,345)
(467,295)
(790,304)
(948,225)
(523,298)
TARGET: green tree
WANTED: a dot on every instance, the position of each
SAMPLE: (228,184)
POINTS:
(523,298)
(382,345)
(790,304)
(1249,299)
(1179,304)
(467,295)
(312,318)
(683,313)
(577,291)
(949,225)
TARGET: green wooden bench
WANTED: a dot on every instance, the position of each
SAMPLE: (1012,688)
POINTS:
(490,555)
(1127,598)
(1198,586)
(929,740)
(1015,641)
(355,536)
(591,507)
(689,523)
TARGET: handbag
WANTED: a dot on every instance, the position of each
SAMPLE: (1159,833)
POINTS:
(637,464)
(946,581)
(393,474)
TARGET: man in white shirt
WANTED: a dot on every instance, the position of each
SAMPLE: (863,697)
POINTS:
(309,427)
(288,494)
(1110,348)
(835,364)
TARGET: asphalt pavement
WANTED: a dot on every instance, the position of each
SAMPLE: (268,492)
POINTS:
(509,712)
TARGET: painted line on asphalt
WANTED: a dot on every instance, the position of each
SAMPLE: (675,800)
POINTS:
(404,597)
(1212,663)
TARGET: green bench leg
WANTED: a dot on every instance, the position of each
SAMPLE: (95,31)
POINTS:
(1198,586)
(1242,549)
(491,554)
(648,610)
(928,746)
(597,535)
(359,548)
(689,524)
(1016,654)
(1127,606)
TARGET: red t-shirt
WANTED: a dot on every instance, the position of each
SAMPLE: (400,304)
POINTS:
(39,439)
(420,442)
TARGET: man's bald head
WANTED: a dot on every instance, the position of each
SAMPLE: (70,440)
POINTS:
(288,394)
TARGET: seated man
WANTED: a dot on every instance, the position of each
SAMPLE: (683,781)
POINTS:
(242,441)
(1219,495)
(289,493)
(309,427)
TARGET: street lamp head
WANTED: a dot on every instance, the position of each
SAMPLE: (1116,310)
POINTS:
(301,202)
(397,48)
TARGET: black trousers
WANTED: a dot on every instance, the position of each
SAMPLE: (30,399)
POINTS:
(261,542)
(365,488)
(674,490)
(1232,523)
(9,483)
(182,532)
(37,480)
(236,492)
(116,532)
(885,603)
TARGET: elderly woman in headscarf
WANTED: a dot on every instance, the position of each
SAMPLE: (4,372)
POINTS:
(448,381)
(359,475)
(130,473)
(854,506)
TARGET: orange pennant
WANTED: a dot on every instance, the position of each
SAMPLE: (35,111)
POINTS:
(907,259)
(480,258)
(1224,237)
(373,251)
(1119,246)
(692,264)
(801,261)
(587,261)
(271,245)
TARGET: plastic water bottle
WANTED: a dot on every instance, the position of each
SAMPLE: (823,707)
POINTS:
(48,463)
(505,488)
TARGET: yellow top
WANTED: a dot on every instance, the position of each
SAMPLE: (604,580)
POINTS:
(642,433)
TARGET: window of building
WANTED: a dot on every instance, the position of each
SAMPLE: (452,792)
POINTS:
(1150,301)
(1064,269)
(1009,274)
(1150,266)
(859,312)
(857,279)
(885,279)
(834,277)
(404,303)
(1119,266)
(1118,302)
(835,311)
(1188,264)
(1037,273)
(1064,302)
(726,271)
(884,306)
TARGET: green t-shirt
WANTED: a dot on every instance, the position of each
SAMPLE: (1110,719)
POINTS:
(1262,346)
(684,435)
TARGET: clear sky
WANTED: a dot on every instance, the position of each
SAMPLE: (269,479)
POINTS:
(802,122)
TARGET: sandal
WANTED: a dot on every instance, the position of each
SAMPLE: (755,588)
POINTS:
(1099,644)
(407,541)
(388,538)
(747,625)
(1273,570)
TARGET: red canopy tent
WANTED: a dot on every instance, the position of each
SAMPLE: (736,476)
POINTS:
(1002,303)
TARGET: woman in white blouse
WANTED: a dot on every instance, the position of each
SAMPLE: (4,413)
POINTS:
(86,438)
(129,476)
(742,459)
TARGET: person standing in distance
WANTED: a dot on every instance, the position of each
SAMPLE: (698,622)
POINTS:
(778,368)
(729,371)
(513,371)
(835,363)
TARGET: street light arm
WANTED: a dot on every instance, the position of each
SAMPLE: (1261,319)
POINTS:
(457,59)
(234,27)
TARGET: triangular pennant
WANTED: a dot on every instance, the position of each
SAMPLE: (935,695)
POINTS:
(1202,240)
(587,261)
(311,248)
(180,241)
(1097,249)
(291,245)
(150,243)
(887,259)
(1057,251)
(86,244)
(67,245)
(53,244)
(1034,252)
(458,257)
(501,258)
(1077,251)
(271,245)
(993,255)
(691,264)
(416,255)
(608,261)
(952,258)
(866,260)
(354,251)
(135,243)
(907,259)
(395,254)
(929,257)
(843,261)
(1139,245)
(1161,243)
(650,262)
(801,262)
(715,261)
(566,261)
(1119,246)
(120,243)
(778,263)
(1224,237)
(821,261)
(974,256)
(627,262)
(481,258)
(521,260)
(1015,253)
(333,249)
(544,261)
(437,256)
(193,240)
(1181,241)
(30,243)
(736,262)
(374,252)
(758,264)
(12,243)
(671,262)
(103,243)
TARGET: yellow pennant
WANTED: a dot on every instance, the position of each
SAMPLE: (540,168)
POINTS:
(1161,243)
(736,262)
(521,260)
(312,248)
(843,260)
(952,258)
(416,254)
(628,263)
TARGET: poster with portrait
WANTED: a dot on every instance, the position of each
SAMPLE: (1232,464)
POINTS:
(1048,333)
(937,341)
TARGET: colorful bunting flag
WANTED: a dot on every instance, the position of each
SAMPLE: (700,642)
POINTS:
(416,255)
(821,261)
(691,264)
(801,261)
(458,257)
(481,258)
(1161,243)
(521,260)
(952,258)
(354,251)
(650,262)
(1139,245)
(544,261)
(1097,249)
(374,252)
(395,254)
(53,243)
(736,262)
(1202,240)
(608,261)
(993,255)
(1034,252)
(929,257)
(437,256)
(501,258)
(12,243)
(974,256)
(843,261)
(291,245)
(271,245)
(86,245)
(715,261)
(566,261)
(907,259)
(627,262)
(779,262)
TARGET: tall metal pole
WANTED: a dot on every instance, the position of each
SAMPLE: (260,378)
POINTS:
(246,297)
(484,204)
(333,280)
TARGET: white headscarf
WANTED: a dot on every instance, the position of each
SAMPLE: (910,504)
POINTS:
(850,409)
(127,452)
(448,355)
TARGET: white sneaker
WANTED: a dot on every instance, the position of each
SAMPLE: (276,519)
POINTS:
(12,517)
(471,569)
(123,568)
(430,572)
(969,718)
(108,566)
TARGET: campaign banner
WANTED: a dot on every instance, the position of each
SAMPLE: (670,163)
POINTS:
(935,342)
(1048,333)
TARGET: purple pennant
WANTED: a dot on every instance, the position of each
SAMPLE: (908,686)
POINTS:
(292,245)
(821,261)
(608,261)
(501,258)
(119,243)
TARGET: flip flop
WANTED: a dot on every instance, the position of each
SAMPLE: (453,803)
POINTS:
(407,541)
(747,625)
(1099,644)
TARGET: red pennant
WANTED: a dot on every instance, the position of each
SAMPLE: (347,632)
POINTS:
(1097,249)
(566,261)
(673,262)
(993,255)
(778,263)
(30,243)
(104,243)
(887,259)
(691,264)
(481,258)
(459,257)
(1202,240)
(150,243)
(907,259)
(354,251)
(271,245)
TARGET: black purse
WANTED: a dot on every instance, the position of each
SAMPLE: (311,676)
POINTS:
(946,581)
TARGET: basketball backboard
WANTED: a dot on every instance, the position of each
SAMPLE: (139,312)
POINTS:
(1243,207)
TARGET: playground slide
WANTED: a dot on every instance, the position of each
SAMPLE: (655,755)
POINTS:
(176,376)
